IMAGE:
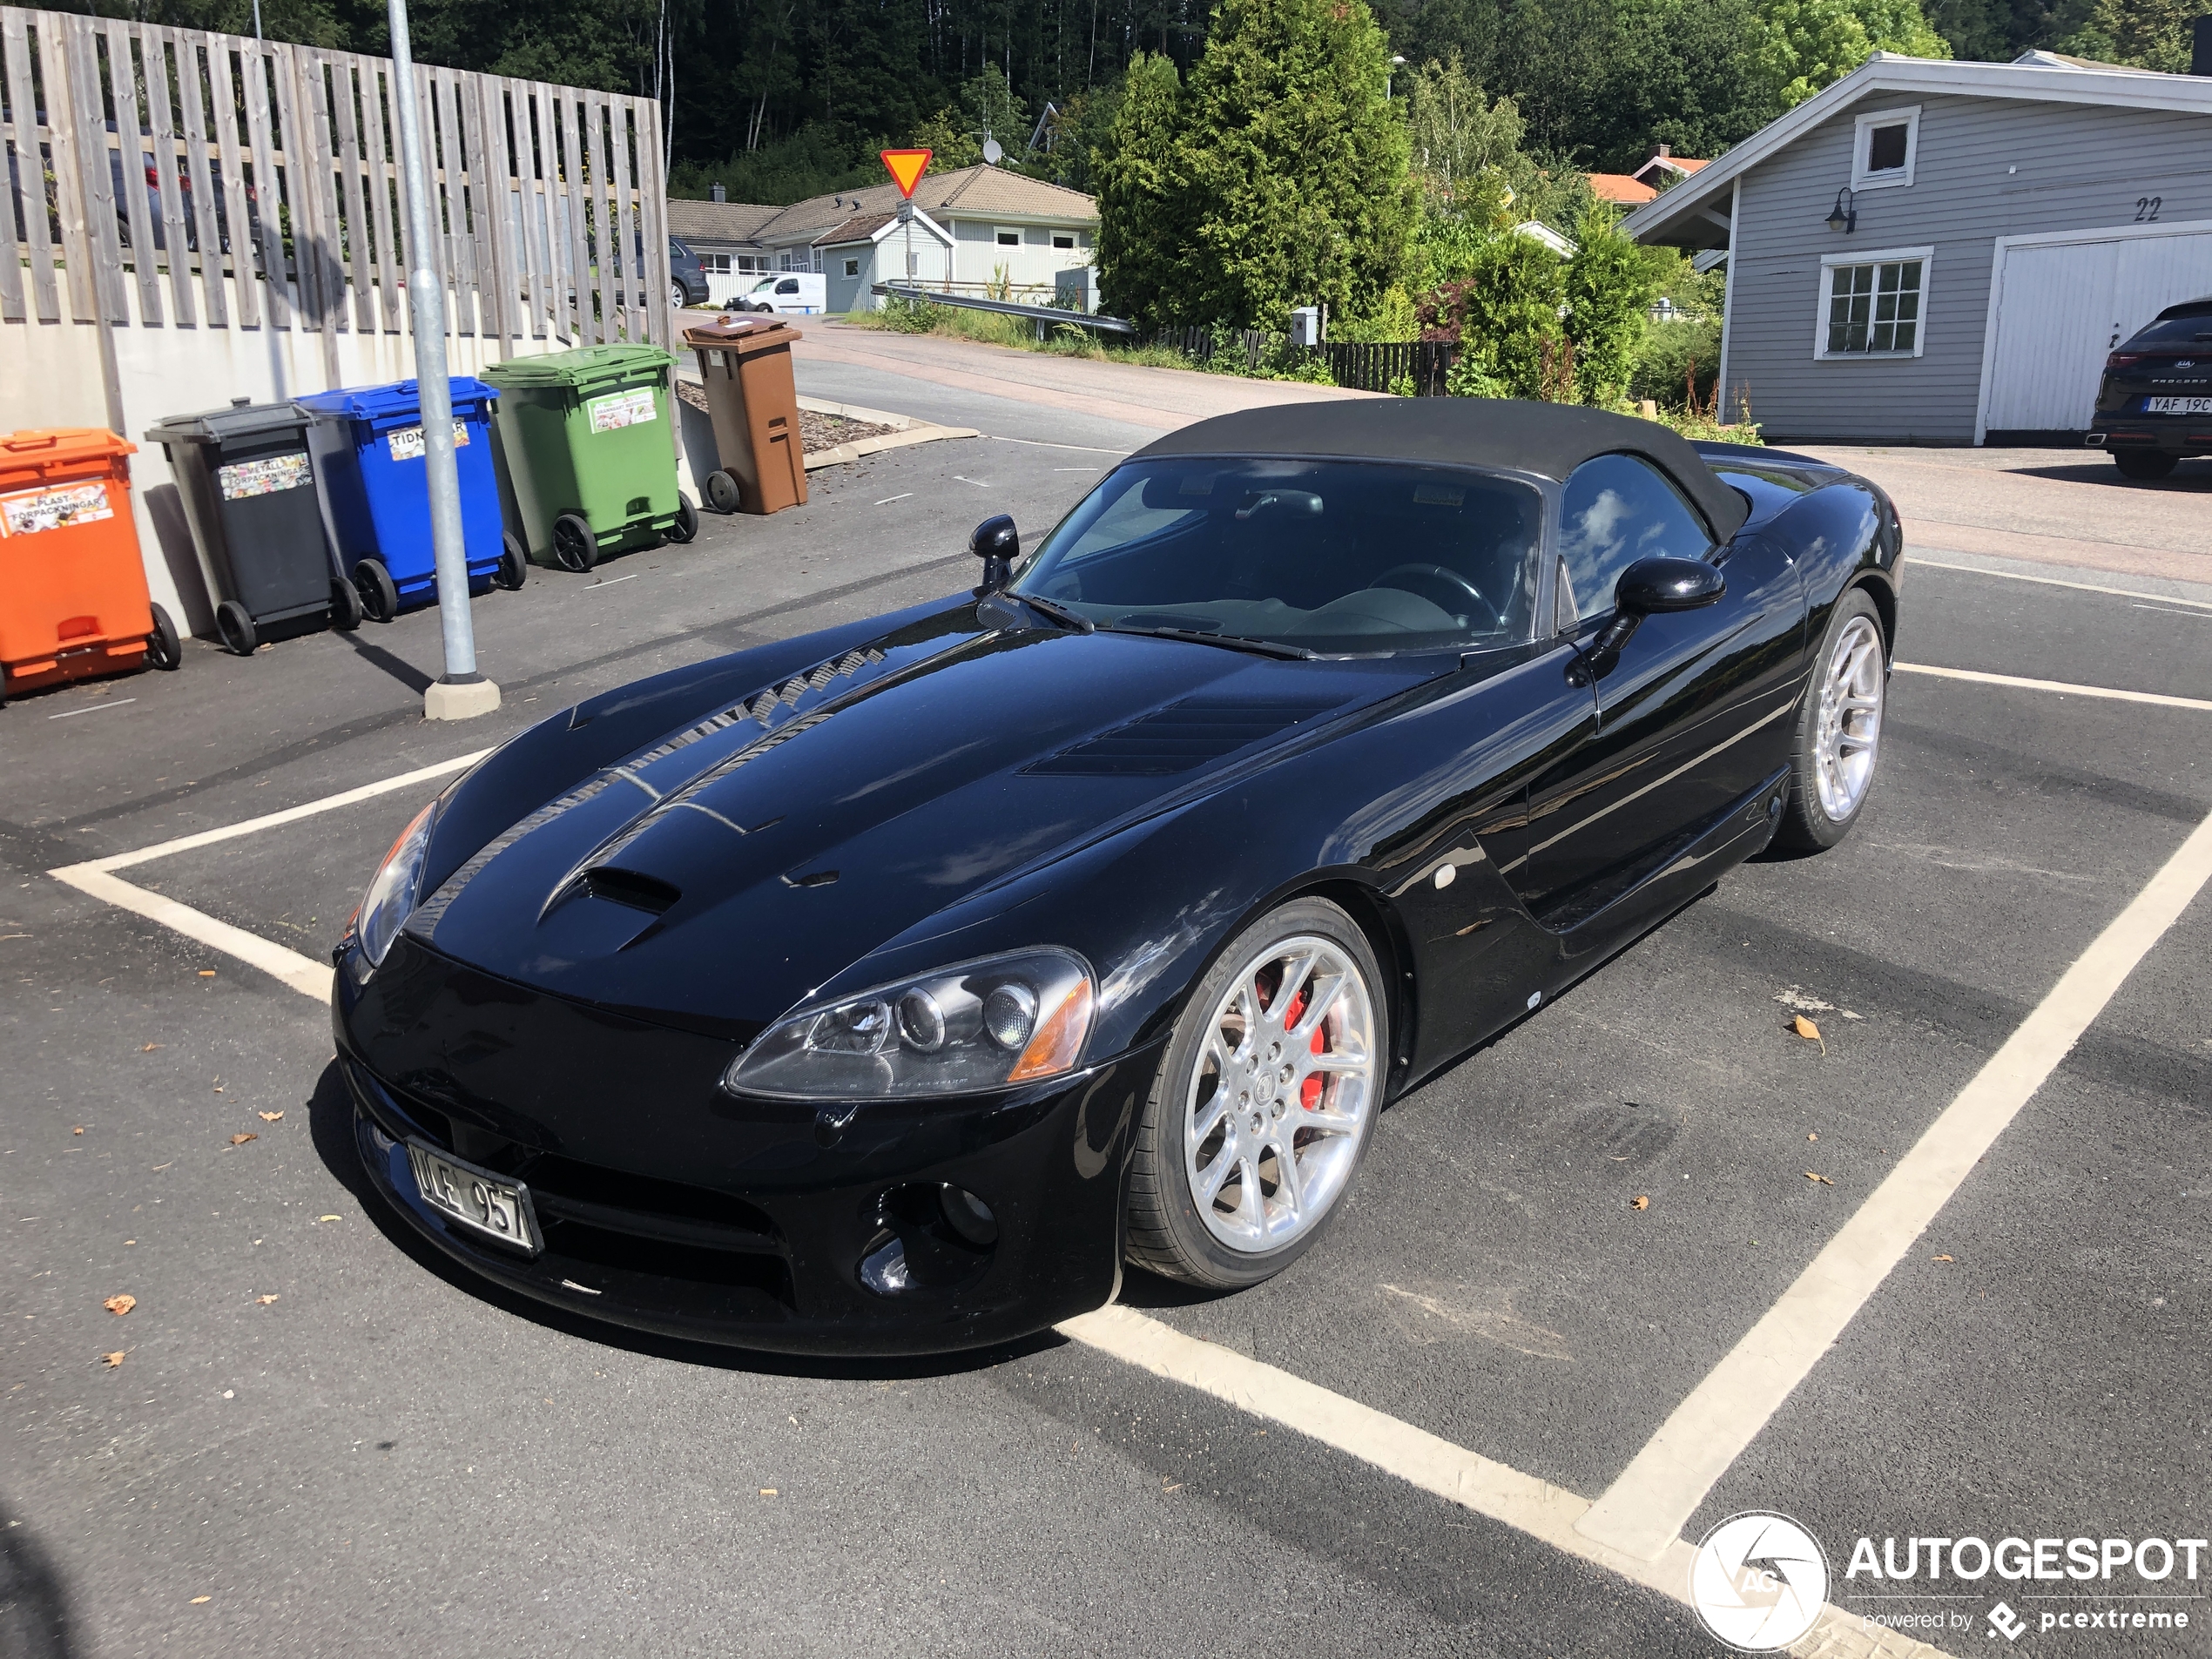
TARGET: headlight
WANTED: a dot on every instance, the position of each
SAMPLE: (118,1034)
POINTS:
(398,884)
(979,1025)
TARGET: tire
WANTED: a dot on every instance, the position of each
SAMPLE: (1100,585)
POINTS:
(380,599)
(676,295)
(1839,727)
(574,546)
(345,605)
(164,650)
(722,492)
(1253,1237)
(2143,463)
(514,566)
(235,623)
(687,522)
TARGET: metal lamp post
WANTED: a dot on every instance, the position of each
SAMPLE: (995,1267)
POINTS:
(460,692)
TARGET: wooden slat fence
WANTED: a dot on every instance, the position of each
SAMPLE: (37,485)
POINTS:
(264,190)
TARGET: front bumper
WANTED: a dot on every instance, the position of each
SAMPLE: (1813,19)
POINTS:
(668,1206)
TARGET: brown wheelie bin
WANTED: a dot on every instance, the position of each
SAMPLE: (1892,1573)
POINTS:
(754,405)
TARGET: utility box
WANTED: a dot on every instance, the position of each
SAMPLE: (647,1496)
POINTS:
(1076,288)
(1306,326)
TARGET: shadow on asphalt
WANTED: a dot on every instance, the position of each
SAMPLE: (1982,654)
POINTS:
(34,1603)
(401,670)
(2186,478)
(331,1123)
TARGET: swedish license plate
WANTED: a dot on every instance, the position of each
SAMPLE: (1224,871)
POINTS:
(477,1199)
(2177,406)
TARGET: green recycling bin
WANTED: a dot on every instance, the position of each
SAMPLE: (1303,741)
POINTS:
(586,452)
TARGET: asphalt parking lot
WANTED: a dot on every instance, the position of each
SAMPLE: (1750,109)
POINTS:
(320,1438)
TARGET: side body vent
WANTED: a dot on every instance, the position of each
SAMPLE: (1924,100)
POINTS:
(1180,738)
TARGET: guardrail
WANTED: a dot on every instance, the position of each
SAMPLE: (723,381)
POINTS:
(1042,315)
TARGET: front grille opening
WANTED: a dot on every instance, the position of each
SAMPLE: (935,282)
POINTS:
(560,1178)
(655,1258)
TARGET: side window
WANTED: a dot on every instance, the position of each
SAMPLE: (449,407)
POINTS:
(1618,510)
(789,285)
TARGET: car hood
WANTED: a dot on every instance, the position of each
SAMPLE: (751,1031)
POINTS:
(718,874)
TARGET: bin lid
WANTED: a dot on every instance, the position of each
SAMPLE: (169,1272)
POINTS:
(743,332)
(61,446)
(400,400)
(586,365)
(241,420)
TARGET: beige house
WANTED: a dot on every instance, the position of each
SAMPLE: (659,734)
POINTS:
(989,226)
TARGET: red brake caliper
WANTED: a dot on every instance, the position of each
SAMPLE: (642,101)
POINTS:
(1309,1094)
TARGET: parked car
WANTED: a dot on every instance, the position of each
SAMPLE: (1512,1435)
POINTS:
(885,989)
(2155,404)
(686,280)
(803,294)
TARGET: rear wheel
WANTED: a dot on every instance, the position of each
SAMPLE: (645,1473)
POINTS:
(164,650)
(722,492)
(345,605)
(514,567)
(1839,728)
(2143,463)
(235,623)
(574,546)
(1264,1102)
(687,522)
(676,295)
(380,598)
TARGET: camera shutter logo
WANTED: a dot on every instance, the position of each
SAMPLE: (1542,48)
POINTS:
(1758,1582)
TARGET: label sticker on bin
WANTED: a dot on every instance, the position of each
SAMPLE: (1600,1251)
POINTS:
(267,477)
(619,409)
(406,444)
(28,511)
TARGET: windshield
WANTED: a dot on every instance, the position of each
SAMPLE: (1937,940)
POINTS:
(764,286)
(2174,331)
(1331,556)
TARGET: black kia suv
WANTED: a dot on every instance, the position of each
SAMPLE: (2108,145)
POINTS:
(2154,404)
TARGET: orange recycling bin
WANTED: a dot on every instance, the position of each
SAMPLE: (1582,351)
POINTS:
(754,403)
(72,591)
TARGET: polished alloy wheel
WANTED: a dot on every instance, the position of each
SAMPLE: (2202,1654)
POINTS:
(1851,718)
(1285,1078)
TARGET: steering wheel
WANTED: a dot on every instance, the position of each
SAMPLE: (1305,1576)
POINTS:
(1441,574)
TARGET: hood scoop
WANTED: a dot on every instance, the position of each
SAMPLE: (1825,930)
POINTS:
(630,889)
(1182,736)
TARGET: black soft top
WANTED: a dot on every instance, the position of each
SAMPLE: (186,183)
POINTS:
(1547,439)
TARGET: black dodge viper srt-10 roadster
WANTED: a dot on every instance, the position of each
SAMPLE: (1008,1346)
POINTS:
(887,988)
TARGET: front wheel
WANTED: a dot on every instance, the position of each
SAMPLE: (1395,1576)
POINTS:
(2143,463)
(163,648)
(380,596)
(345,605)
(687,522)
(235,623)
(1839,728)
(1264,1102)
(576,547)
(514,566)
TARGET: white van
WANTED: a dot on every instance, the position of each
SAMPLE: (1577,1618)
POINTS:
(801,293)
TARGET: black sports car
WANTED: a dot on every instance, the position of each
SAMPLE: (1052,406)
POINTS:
(2155,402)
(887,988)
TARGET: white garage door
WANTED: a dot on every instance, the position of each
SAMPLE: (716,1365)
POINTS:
(2061,307)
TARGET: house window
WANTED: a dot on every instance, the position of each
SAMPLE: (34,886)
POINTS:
(1063,238)
(851,268)
(1875,305)
(1885,148)
(715,264)
(1008,239)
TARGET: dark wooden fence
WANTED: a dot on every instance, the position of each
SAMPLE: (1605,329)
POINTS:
(1365,367)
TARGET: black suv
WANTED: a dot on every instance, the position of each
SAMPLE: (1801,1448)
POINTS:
(687,282)
(2155,405)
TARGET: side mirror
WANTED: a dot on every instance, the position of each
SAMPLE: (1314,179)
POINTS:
(1652,585)
(998,544)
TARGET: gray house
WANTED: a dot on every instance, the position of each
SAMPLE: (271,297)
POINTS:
(1943,252)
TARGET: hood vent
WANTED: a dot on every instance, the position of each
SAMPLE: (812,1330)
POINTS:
(638,892)
(1180,738)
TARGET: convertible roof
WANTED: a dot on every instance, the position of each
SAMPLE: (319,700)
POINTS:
(1547,439)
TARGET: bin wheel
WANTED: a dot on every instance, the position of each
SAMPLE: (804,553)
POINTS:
(514,566)
(345,605)
(380,599)
(687,522)
(235,623)
(722,492)
(164,650)
(575,545)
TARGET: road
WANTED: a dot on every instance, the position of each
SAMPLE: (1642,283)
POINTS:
(320,1439)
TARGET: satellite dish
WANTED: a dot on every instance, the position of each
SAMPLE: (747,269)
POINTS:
(993,151)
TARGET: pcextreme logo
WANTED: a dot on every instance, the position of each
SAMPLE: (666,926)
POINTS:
(1758,1582)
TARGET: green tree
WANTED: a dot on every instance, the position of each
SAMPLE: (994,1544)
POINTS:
(1506,313)
(1610,283)
(2146,34)
(1140,198)
(1813,44)
(1295,165)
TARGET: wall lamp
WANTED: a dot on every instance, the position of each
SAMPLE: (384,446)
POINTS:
(1844,215)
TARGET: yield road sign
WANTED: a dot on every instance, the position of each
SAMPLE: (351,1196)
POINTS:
(906,168)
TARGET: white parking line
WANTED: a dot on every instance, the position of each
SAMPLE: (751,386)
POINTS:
(1916,562)
(92,708)
(1643,1512)
(2062,687)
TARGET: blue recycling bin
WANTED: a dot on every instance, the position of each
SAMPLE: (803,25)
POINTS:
(368,444)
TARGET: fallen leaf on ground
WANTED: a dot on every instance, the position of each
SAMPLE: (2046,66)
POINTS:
(158,1168)
(769,1491)
(80,1130)
(1822,1179)
(1804,1028)
(1641,1201)
(112,1360)
(120,1305)
(197,1600)
(265,1300)
(1943,1258)
(1811,1136)
(151,1047)
(206,973)
(325,1217)
(240,1139)
(270,1117)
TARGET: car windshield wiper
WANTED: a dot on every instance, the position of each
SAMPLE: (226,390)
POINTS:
(1058,612)
(1230,642)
